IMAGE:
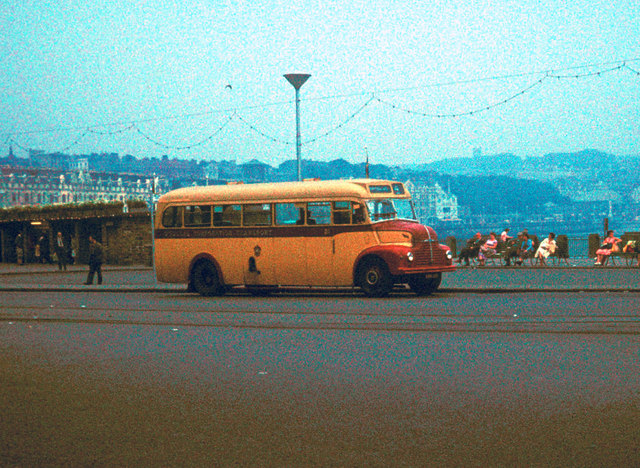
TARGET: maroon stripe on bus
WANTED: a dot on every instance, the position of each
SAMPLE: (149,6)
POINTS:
(258,231)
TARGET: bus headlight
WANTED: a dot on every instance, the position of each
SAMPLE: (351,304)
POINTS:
(410,256)
(449,255)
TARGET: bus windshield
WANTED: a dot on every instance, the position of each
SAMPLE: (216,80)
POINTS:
(382,209)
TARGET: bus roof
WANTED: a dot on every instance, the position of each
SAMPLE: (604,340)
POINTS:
(352,188)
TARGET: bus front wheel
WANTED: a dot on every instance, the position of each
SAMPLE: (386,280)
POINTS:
(423,286)
(205,279)
(374,278)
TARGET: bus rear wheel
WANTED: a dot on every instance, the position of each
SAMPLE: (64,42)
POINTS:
(374,278)
(423,286)
(205,279)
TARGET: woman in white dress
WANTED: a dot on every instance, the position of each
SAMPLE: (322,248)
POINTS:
(546,248)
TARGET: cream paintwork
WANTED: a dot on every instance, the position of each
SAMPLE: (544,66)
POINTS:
(295,261)
(347,247)
(291,263)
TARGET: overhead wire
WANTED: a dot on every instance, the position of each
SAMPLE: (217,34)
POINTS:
(585,75)
(464,113)
(234,113)
(189,146)
(339,126)
(260,132)
(631,69)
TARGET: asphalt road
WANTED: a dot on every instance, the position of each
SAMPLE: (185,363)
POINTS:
(173,379)
(480,279)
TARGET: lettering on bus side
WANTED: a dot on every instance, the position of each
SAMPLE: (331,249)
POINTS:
(212,233)
(286,219)
(276,232)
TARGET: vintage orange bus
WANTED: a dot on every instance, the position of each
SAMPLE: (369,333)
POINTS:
(333,233)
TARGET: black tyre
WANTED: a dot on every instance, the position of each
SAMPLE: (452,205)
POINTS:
(205,279)
(423,286)
(374,278)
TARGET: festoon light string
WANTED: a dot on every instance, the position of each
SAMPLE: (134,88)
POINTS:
(132,125)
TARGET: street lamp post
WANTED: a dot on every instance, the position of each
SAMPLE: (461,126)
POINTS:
(154,181)
(297,80)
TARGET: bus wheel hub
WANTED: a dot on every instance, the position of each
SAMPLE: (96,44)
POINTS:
(372,277)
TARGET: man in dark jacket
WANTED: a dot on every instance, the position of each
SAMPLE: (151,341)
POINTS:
(471,250)
(96,254)
(512,249)
(61,251)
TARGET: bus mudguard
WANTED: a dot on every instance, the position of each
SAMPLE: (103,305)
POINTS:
(393,255)
(210,258)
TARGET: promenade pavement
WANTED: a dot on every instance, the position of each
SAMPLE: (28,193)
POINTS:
(583,275)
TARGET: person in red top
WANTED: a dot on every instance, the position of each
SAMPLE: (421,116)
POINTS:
(609,245)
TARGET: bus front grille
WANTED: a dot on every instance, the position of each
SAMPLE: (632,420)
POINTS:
(423,256)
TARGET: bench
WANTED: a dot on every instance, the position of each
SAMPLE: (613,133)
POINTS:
(503,251)
(562,250)
(629,257)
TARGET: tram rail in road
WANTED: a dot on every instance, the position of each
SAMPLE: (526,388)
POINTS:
(544,312)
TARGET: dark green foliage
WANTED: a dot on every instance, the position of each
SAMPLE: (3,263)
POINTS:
(133,204)
(61,211)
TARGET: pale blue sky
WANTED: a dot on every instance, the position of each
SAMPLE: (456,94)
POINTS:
(73,64)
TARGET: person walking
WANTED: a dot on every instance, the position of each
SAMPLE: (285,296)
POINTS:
(37,250)
(96,254)
(45,250)
(19,242)
(61,252)
(75,248)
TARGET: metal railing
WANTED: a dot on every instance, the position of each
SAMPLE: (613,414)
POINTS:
(578,246)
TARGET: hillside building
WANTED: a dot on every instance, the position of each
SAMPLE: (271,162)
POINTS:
(28,186)
(433,203)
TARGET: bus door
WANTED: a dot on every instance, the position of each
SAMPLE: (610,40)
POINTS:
(290,242)
(256,246)
(170,235)
(259,261)
(320,246)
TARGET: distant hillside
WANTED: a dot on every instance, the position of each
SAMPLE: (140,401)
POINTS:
(586,160)
(336,169)
(505,163)
(496,194)
(502,194)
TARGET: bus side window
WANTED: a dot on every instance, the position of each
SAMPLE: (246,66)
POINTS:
(342,212)
(319,213)
(172,216)
(287,214)
(197,216)
(206,215)
(257,215)
(217,216)
(231,215)
(357,211)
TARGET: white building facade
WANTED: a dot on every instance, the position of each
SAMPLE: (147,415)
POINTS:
(19,186)
(433,203)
